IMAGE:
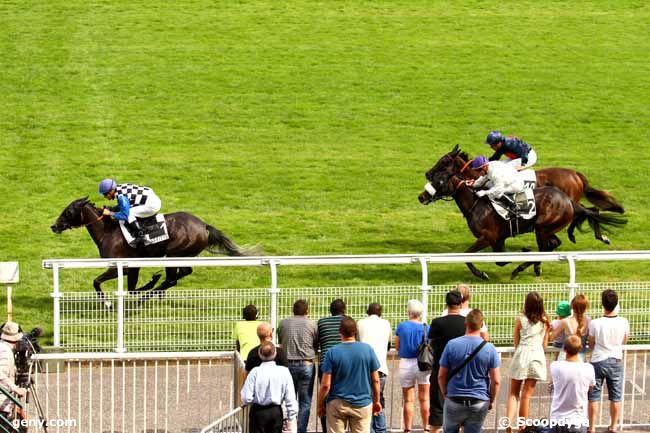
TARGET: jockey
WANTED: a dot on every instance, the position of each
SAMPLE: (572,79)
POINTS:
(133,202)
(519,153)
(499,177)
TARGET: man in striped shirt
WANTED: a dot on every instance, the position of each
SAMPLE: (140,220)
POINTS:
(299,338)
(329,336)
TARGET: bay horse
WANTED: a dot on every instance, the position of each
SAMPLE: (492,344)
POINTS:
(188,237)
(555,211)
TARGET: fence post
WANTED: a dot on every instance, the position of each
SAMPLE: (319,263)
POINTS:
(120,308)
(274,297)
(425,286)
(56,296)
(572,285)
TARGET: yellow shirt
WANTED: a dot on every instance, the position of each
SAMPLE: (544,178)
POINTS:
(246,333)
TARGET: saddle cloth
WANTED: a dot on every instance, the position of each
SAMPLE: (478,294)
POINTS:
(155,229)
(525,202)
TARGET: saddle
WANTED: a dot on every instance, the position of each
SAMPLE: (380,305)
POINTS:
(154,228)
(513,206)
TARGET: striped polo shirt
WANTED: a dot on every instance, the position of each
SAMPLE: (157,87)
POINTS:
(328,334)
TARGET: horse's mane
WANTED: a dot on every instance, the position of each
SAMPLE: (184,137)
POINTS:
(463,155)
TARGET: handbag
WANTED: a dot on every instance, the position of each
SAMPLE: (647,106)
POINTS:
(425,355)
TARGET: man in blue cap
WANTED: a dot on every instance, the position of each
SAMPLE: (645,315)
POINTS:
(133,202)
(499,177)
(519,154)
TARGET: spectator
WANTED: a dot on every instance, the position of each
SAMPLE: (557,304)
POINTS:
(572,380)
(408,336)
(265,333)
(10,336)
(578,324)
(607,335)
(442,330)
(266,388)
(528,362)
(470,387)
(328,337)
(299,337)
(245,332)
(465,308)
(376,332)
(350,383)
(562,311)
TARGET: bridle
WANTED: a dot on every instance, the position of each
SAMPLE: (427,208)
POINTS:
(99,218)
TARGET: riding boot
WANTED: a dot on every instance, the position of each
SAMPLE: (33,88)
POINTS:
(137,233)
(510,204)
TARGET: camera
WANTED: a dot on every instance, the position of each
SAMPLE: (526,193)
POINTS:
(25,348)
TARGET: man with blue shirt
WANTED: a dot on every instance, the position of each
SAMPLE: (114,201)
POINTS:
(470,388)
(265,389)
(350,383)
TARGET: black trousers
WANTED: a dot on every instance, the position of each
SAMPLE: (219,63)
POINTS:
(265,419)
(436,399)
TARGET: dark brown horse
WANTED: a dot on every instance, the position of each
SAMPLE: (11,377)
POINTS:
(188,237)
(555,211)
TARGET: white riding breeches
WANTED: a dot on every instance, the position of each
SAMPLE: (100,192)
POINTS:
(150,208)
(516,163)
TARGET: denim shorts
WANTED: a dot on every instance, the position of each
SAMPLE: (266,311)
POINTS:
(610,370)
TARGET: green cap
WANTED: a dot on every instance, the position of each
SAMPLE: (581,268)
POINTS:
(563,309)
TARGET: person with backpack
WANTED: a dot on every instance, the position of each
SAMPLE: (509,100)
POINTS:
(469,378)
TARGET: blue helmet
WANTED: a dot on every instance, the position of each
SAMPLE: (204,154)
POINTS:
(494,137)
(479,162)
(106,185)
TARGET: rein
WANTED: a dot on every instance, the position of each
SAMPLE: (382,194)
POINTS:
(99,218)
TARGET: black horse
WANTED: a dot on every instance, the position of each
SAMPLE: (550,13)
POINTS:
(555,211)
(188,237)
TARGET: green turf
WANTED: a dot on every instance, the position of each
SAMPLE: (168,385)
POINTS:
(307,127)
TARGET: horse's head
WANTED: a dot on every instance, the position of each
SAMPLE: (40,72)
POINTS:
(439,176)
(71,216)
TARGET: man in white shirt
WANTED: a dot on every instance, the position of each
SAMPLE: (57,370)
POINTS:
(377,332)
(265,389)
(572,380)
(499,177)
(10,336)
(607,335)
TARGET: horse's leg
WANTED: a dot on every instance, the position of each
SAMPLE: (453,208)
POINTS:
(500,247)
(133,281)
(171,278)
(478,246)
(110,274)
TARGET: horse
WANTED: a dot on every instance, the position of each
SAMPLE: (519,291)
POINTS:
(555,211)
(188,237)
(575,185)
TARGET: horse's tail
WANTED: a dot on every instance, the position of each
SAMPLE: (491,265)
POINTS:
(597,221)
(602,199)
(219,243)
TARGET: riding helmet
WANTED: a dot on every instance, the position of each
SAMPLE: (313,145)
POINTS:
(106,185)
(479,162)
(494,137)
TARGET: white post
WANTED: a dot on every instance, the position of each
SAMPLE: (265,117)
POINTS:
(274,297)
(425,286)
(572,286)
(56,296)
(10,307)
(120,308)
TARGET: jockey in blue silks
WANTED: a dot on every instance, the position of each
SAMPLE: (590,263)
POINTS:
(519,154)
(133,202)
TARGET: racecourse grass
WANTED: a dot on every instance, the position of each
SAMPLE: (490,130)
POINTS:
(306,127)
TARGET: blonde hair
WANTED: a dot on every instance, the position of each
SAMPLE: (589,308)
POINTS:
(464,290)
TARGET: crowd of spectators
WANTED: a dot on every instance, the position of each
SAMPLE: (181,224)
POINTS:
(463,382)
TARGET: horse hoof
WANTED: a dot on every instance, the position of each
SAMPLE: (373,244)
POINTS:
(605,240)
(484,276)
(514,275)
(538,270)
(108,305)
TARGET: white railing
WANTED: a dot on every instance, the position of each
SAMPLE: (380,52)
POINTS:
(80,322)
(134,392)
(633,414)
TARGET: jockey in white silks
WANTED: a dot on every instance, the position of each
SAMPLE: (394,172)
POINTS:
(499,177)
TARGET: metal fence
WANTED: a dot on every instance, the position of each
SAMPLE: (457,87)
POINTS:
(175,392)
(203,319)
